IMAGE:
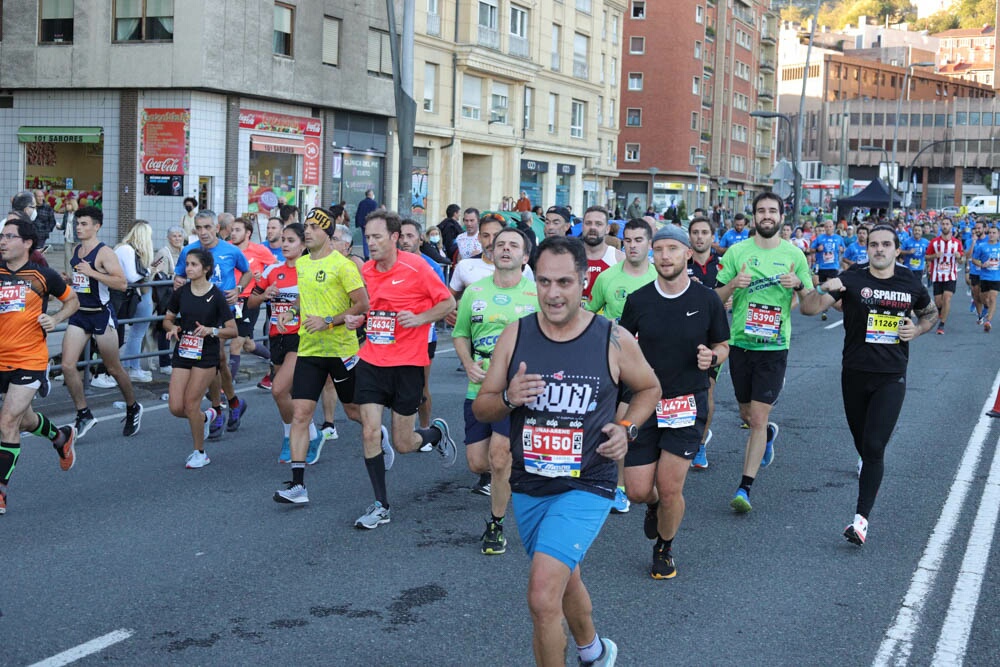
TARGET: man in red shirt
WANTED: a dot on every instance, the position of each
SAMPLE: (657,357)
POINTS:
(259,258)
(405,298)
(600,255)
(944,253)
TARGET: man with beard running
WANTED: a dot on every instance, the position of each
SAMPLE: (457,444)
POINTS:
(761,275)
(682,331)
(947,253)
(703,267)
(877,303)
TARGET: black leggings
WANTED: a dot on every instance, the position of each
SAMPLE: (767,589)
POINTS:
(872,402)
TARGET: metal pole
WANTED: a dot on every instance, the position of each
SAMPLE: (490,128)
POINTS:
(406,106)
(895,130)
(800,130)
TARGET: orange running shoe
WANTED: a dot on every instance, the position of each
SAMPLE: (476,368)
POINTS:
(67,452)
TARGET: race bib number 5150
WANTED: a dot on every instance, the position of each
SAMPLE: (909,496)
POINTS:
(552,452)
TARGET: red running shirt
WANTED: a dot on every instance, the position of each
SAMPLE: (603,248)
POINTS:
(944,267)
(410,285)
(286,279)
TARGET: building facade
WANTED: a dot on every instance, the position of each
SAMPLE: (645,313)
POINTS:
(515,97)
(969,54)
(692,73)
(244,106)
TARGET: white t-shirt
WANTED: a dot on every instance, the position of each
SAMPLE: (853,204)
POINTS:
(469,271)
(468,245)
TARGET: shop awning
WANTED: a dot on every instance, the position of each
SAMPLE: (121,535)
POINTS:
(260,142)
(64,135)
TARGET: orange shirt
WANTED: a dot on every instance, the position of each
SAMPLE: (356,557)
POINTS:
(24,295)
(259,258)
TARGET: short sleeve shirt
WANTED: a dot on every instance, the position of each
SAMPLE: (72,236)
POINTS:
(228,258)
(324,290)
(613,286)
(24,295)
(286,279)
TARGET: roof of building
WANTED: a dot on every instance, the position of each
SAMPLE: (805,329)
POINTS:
(966,32)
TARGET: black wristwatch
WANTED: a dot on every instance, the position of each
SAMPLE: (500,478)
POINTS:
(801,287)
(715,360)
(631,430)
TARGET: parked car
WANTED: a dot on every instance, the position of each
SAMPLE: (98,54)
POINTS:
(950,210)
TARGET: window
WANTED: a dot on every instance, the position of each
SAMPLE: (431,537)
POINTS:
(432,6)
(699,14)
(578,112)
(638,12)
(601,74)
(600,111)
(637,45)
(694,120)
(430,86)
(611,151)
(529,103)
(604,25)
(56,22)
(738,163)
(742,70)
(631,152)
(331,41)
(739,133)
(519,22)
(553,113)
(696,85)
(697,50)
(144,20)
(614,71)
(284,19)
(472,96)
(584,6)
(614,29)
(488,14)
(692,155)
(633,117)
(379,53)
(556,36)
(611,113)
(635,80)
(581,45)
(499,99)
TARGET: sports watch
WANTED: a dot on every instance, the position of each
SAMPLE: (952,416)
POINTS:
(329,322)
(631,430)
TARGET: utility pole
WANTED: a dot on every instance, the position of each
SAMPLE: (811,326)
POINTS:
(797,156)
(406,106)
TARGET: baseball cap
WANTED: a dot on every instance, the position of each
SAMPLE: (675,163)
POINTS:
(561,211)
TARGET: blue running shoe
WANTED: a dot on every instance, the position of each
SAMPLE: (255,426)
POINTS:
(236,414)
(972,306)
(315,447)
(286,451)
(700,461)
(622,504)
(741,502)
(772,435)
(218,425)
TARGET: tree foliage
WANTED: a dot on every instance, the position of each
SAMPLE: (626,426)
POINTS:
(963,14)
(839,13)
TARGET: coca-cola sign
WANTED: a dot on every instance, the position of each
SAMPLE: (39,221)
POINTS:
(266,121)
(165,138)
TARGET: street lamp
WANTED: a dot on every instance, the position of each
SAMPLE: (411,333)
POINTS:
(699,159)
(895,127)
(653,171)
(797,176)
(870,148)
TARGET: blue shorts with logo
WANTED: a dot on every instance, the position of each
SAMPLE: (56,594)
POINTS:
(562,525)
(477,431)
(93,321)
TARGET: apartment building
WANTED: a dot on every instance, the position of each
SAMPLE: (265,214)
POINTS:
(692,72)
(133,105)
(969,54)
(516,96)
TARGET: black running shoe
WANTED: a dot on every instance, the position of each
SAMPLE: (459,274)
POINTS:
(663,564)
(494,543)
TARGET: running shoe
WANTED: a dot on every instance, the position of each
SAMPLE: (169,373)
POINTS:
(84,423)
(608,655)
(772,434)
(940,331)
(218,425)
(445,446)
(972,307)
(265,383)
(700,461)
(649,523)
(286,451)
(197,459)
(494,543)
(210,417)
(986,311)
(67,450)
(663,563)
(741,502)
(621,504)
(294,494)
(315,447)
(373,517)
(104,381)
(744,425)
(167,370)
(133,420)
(139,375)
(979,322)
(987,326)
(329,431)
(3,502)
(236,414)
(857,532)
(483,484)
(387,451)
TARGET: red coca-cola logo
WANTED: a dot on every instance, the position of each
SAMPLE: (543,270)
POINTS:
(247,119)
(168,165)
(312,151)
(314,127)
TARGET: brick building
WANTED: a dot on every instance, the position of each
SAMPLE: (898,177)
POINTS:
(969,54)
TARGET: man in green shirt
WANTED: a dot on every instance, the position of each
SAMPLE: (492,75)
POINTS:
(487,306)
(613,285)
(761,274)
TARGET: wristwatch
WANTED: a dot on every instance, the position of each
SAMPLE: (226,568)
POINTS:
(631,430)
(715,360)
(329,322)
(800,287)
(215,331)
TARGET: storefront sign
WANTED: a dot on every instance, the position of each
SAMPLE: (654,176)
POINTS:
(565,169)
(311,161)
(265,121)
(266,144)
(535,166)
(164,185)
(59,135)
(359,173)
(165,135)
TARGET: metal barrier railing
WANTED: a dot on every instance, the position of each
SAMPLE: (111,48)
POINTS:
(87,359)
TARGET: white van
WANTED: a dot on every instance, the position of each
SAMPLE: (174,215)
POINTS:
(986,204)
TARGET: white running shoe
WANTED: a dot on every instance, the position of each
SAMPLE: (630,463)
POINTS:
(104,381)
(210,416)
(373,517)
(295,494)
(857,532)
(197,459)
(387,450)
(330,433)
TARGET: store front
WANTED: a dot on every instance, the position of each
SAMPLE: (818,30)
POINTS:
(285,159)
(533,180)
(61,160)
(564,183)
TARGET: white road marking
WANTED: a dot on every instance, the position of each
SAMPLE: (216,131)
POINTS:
(954,638)
(85,649)
(897,643)
(834,325)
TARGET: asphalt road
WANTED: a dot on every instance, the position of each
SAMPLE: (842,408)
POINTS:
(202,567)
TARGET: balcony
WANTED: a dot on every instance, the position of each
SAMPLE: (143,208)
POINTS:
(709,70)
(767,66)
(744,14)
(767,38)
(762,151)
(434,25)
(489,37)
(710,34)
(518,47)
(765,94)
(706,136)
(706,101)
